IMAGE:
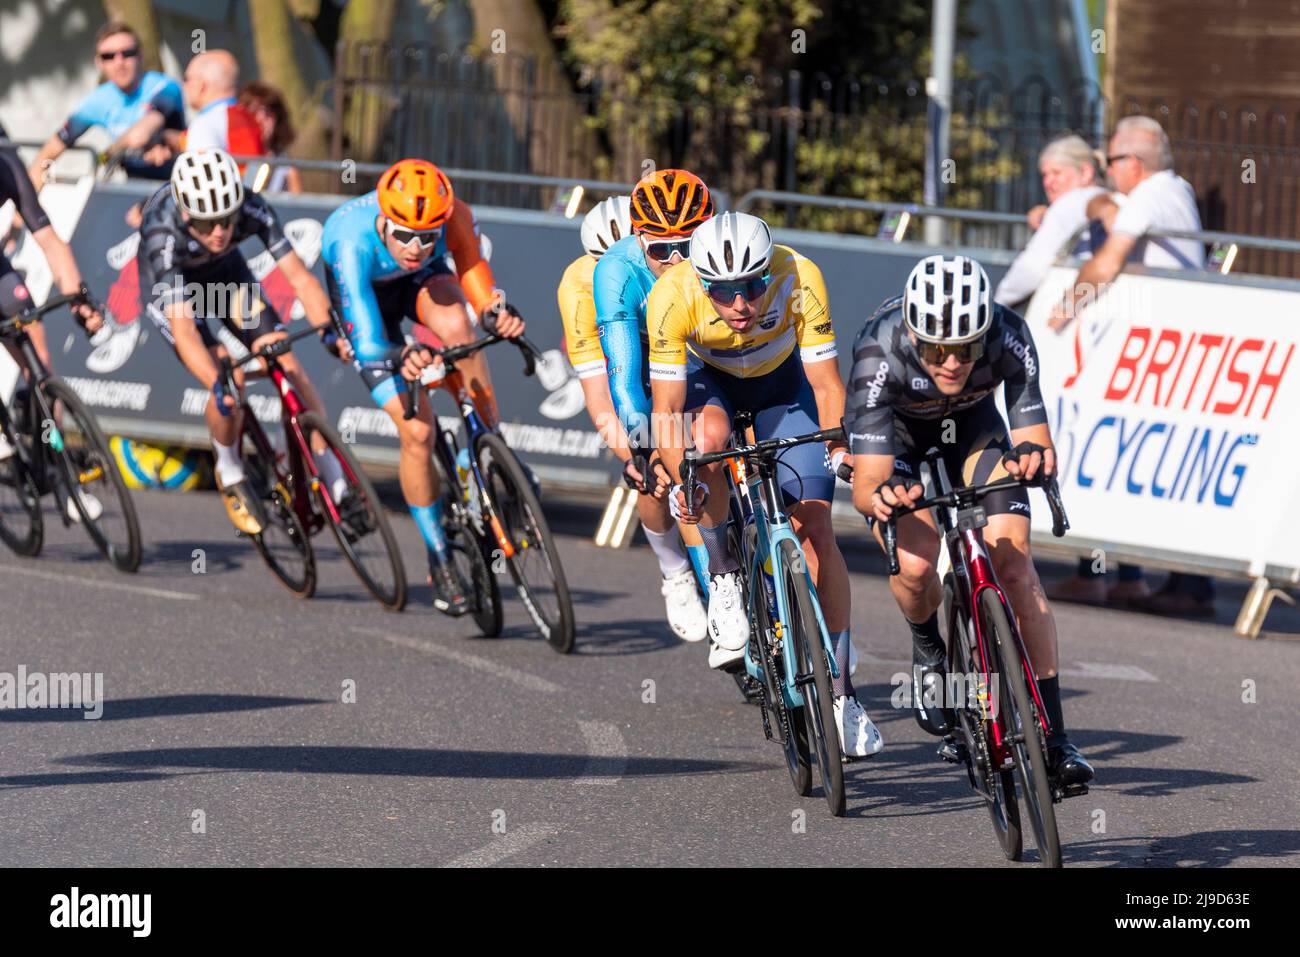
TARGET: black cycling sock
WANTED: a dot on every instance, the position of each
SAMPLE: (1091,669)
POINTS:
(1050,690)
(927,646)
(721,561)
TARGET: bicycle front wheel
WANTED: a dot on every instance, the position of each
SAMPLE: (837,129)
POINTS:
(528,548)
(1020,722)
(360,526)
(283,544)
(812,662)
(997,787)
(21,527)
(84,465)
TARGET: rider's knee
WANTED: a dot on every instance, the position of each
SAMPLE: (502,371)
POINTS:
(416,435)
(710,436)
(915,572)
(1015,569)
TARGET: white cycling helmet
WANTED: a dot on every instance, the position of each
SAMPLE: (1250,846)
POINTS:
(947,300)
(731,246)
(605,224)
(206,184)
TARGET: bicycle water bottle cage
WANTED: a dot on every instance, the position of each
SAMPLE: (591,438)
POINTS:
(969,519)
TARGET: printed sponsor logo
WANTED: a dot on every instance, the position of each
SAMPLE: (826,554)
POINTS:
(111,394)
(877,384)
(1021,352)
(920,383)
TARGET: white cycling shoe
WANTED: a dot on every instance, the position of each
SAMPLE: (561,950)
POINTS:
(720,657)
(859,737)
(728,623)
(94,508)
(686,615)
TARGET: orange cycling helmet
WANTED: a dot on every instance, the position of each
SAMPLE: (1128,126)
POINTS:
(670,202)
(415,194)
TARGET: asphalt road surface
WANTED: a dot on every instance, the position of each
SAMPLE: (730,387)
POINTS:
(225,738)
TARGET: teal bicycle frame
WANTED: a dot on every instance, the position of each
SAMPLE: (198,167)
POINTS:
(757,502)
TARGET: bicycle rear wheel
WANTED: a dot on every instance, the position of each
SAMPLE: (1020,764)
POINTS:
(358,521)
(1019,720)
(21,525)
(91,480)
(535,565)
(812,662)
(998,788)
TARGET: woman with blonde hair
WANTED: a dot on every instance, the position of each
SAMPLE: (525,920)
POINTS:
(1072,175)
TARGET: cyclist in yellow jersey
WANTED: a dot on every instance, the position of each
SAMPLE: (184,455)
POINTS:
(745,326)
(605,224)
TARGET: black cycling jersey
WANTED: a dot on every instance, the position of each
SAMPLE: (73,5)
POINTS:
(169,256)
(16,185)
(889,380)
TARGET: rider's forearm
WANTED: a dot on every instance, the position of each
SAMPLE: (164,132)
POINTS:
(600,406)
(59,256)
(39,170)
(189,346)
(869,473)
(828,391)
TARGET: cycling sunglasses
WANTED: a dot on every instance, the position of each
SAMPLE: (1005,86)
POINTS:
(205,226)
(110,55)
(936,353)
(425,239)
(662,250)
(725,293)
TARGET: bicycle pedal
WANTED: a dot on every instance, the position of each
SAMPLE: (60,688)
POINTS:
(1059,794)
(952,752)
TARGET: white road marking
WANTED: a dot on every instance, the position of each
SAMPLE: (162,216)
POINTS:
(513,842)
(99,583)
(1084,669)
(607,754)
(485,665)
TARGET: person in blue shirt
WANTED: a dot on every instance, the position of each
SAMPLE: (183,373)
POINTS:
(132,104)
(389,258)
(666,207)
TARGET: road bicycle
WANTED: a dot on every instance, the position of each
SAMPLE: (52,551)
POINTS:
(56,447)
(298,502)
(790,653)
(493,517)
(1002,727)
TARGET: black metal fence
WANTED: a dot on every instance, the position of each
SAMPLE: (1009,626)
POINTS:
(812,133)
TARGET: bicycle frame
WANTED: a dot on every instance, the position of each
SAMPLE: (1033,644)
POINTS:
(38,413)
(974,574)
(453,381)
(772,526)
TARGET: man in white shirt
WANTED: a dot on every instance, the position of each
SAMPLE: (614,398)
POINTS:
(1153,197)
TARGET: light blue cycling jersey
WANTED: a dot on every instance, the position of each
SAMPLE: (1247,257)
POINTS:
(364,279)
(620,286)
(117,112)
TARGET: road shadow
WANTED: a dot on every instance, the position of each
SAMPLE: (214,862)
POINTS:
(409,762)
(637,636)
(1199,849)
(217,555)
(164,706)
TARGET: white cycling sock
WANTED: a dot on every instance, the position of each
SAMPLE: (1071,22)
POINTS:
(331,471)
(667,547)
(230,467)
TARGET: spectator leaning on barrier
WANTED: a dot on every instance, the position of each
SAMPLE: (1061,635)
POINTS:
(132,105)
(1071,175)
(1153,197)
(266,106)
(211,82)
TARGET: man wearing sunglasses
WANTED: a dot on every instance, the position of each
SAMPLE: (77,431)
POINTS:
(132,105)
(192,271)
(745,326)
(387,262)
(926,369)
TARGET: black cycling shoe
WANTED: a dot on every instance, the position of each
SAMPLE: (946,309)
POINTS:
(449,595)
(935,721)
(1068,769)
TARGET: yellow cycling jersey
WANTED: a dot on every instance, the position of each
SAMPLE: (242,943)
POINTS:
(578,313)
(794,310)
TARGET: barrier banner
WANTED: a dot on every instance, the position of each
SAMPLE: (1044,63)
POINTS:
(1173,403)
